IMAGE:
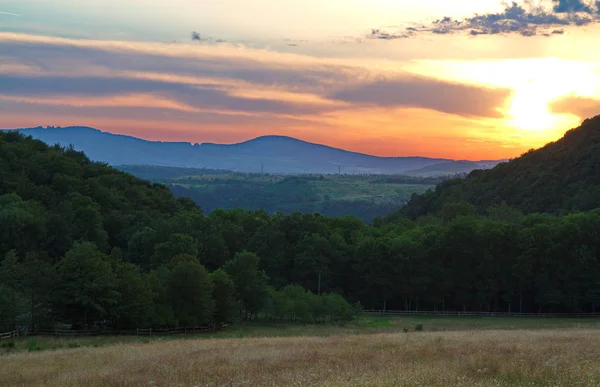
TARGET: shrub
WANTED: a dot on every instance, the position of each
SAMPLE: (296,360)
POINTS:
(32,345)
(419,327)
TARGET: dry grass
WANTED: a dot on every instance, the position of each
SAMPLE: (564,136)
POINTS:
(483,358)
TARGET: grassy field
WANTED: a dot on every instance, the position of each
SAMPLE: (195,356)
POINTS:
(467,351)
(460,358)
(367,325)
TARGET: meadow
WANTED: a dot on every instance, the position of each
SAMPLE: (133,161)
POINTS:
(410,351)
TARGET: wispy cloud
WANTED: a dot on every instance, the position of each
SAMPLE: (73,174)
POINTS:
(223,77)
(527,18)
(222,91)
(9,14)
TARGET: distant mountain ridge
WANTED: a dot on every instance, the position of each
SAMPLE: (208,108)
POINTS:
(274,154)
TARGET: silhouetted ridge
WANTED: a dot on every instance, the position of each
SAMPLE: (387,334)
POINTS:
(274,154)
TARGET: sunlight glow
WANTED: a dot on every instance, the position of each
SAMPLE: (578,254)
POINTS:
(535,83)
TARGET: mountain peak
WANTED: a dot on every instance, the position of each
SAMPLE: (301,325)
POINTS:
(274,153)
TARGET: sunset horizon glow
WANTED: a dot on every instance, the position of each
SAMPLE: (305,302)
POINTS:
(391,89)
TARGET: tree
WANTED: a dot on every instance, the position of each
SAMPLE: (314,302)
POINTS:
(86,287)
(178,244)
(224,296)
(37,287)
(190,291)
(162,310)
(249,282)
(11,277)
(135,305)
(453,210)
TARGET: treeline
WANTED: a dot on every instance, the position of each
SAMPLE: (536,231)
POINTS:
(95,245)
(88,288)
(82,243)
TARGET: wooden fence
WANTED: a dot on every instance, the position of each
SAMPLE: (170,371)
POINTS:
(9,335)
(136,332)
(482,314)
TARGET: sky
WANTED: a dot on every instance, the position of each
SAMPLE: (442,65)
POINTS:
(470,79)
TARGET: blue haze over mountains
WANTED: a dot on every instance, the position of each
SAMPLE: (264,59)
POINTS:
(271,154)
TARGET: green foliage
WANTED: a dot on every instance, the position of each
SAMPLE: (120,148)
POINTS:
(33,346)
(190,291)
(134,309)
(224,296)
(366,197)
(562,177)
(250,283)
(177,244)
(8,313)
(86,288)
(138,257)
(419,328)
(296,304)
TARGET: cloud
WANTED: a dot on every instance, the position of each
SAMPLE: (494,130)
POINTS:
(527,18)
(428,93)
(222,77)
(575,6)
(9,14)
(223,89)
(580,106)
(196,37)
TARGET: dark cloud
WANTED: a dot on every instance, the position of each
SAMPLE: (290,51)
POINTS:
(428,93)
(526,19)
(196,37)
(378,34)
(574,6)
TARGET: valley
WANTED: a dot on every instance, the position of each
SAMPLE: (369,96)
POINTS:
(363,196)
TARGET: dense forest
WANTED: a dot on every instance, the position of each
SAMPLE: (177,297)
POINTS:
(560,178)
(83,243)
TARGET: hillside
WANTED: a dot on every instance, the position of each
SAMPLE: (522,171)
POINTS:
(82,243)
(561,177)
(273,154)
(365,197)
(449,168)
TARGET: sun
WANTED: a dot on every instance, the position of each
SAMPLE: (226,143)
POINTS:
(529,112)
(529,109)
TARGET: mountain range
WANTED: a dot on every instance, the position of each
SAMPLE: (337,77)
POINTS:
(269,154)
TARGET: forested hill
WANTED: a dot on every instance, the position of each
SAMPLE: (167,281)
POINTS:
(81,242)
(561,177)
(84,244)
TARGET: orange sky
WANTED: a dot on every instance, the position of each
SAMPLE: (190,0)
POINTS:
(449,94)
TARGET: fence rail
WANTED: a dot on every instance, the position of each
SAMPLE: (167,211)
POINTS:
(9,335)
(136,332)
(483,314)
